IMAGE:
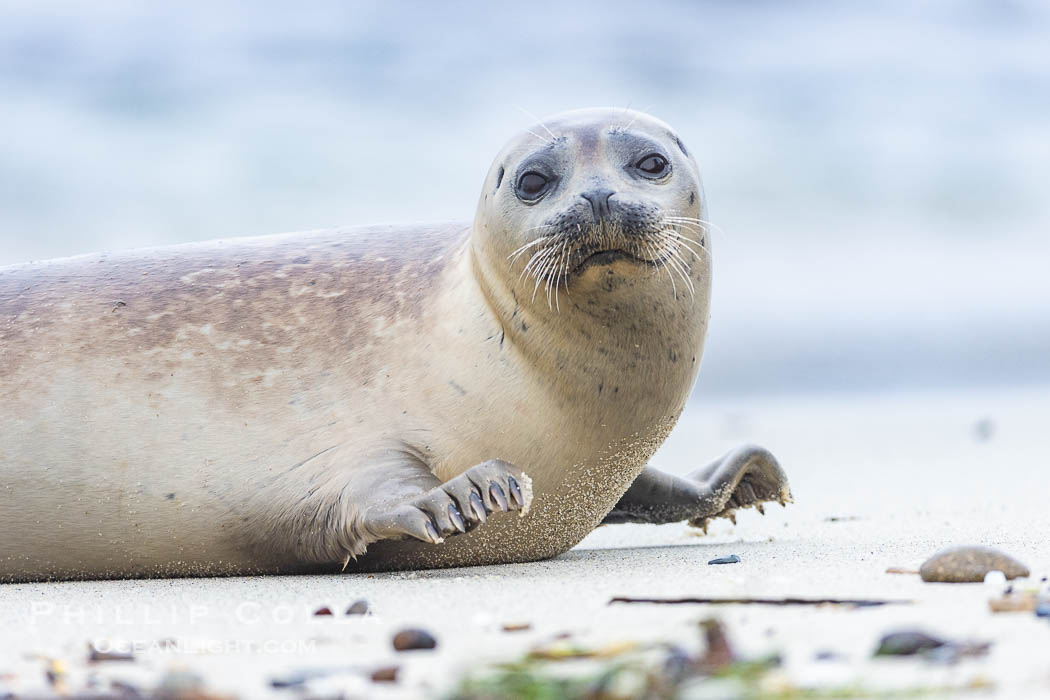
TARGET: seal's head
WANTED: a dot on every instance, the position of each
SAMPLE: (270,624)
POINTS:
(592,199)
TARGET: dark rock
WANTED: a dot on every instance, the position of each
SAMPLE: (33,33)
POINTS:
(325,611)
(907,643)
(293,681)
(387,674)
(409,639)
(969,565)
(359,607)
(731,559)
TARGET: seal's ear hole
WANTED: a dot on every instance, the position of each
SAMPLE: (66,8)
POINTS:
(499,177)
(681,145)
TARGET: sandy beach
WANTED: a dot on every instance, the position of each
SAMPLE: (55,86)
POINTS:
(879,482)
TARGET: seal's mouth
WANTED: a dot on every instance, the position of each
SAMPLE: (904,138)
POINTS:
(608,257)
(639,242)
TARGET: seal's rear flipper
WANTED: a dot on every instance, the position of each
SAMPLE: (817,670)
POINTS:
(745,477)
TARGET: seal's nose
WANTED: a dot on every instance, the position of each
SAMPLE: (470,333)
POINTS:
(599,200)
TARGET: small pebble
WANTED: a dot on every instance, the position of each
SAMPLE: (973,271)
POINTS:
(827,655)
(359,607)
(410,639)
(731,559)
(323,611)
(517,627)
(387,674)
(907,643)
(292,681)
(969,565)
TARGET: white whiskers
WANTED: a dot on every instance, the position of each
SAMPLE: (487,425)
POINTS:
(539,121)
(636,116)
(518,253)
(700,225)
(675,246)
(541,138)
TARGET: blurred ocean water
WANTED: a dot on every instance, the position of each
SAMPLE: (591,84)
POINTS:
(879,170)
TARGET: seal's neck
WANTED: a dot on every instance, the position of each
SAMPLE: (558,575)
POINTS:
(615,336)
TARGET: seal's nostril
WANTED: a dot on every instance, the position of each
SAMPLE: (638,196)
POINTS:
(599,201)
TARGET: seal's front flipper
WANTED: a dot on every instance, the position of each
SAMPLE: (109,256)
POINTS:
(745,477)
(454,507)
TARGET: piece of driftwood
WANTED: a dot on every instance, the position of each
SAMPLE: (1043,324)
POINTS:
(855,602)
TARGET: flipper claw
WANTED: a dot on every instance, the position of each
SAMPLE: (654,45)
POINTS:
(515,492)
(432,533)
(478,506)
(496,491)
(456,518)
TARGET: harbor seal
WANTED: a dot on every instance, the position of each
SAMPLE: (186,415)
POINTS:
(373,398)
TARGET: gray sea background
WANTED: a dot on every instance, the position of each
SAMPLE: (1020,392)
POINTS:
(879,171)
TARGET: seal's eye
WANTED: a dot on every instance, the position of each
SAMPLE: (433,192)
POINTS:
(653,165)
(531,185)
